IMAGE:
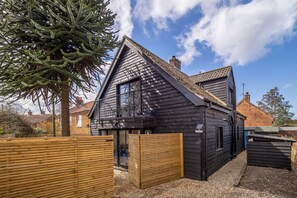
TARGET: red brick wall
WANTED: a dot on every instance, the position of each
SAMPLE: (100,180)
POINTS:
(84,129)
(254,115)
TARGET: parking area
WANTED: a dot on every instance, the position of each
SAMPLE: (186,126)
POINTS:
(220,184)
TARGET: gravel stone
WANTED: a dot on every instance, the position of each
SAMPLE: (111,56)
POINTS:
(220,184)
(276,181)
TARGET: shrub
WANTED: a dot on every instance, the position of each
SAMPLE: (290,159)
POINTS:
(12,123)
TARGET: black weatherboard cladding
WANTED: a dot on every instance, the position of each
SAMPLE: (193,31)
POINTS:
(269,154)
(176,106)
(173,111)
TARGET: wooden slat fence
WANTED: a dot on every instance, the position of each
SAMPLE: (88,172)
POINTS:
(155,159)
(56,167)
(294,156)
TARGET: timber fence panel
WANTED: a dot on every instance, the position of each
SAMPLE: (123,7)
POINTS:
(293,156)
(56,167)
(155,159)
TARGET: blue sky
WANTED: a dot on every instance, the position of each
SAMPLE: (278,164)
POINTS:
(258,38)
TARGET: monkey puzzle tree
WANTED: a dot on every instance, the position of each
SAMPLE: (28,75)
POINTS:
(53,48)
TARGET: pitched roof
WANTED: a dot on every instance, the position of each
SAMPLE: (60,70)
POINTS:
(38,118)
(211,75)
(243,100)
(172,71)
(85,107)
(181,77)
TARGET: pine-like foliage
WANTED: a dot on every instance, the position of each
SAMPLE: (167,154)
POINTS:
(45,43)
(274,103)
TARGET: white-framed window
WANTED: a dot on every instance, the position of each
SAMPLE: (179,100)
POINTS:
(79,121)
(219,138)
(70,120)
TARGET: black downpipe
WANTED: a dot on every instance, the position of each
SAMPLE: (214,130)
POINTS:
(204,148)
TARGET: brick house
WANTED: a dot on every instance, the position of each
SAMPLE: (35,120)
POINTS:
(79,122)
(254,115)
(38,120)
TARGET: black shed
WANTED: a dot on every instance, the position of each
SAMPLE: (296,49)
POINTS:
(269,151)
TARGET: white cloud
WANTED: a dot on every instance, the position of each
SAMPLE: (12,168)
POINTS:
(123,21)
(159,11)
(241,33)
(288,85)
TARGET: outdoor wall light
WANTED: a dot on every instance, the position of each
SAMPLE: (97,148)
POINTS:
(199,128)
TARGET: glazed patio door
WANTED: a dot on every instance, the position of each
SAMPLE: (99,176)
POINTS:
(115,142)
(123,148)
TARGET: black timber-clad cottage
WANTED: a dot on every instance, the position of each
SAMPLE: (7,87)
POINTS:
(142,93)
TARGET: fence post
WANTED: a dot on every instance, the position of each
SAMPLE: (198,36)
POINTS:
(139,144)
(181,154)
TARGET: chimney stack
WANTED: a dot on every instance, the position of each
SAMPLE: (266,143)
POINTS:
(79,101)
(30,112)
(175,62)
(247,97)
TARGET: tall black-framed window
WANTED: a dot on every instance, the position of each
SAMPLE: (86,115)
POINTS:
(219,137)
(237,133)
(129,99)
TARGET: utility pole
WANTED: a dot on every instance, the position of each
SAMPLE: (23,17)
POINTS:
(53,116)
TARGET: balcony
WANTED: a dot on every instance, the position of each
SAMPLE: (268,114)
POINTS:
(125,110)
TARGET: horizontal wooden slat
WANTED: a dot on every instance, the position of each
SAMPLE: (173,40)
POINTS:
(56,167)
(269,154)
(155,159)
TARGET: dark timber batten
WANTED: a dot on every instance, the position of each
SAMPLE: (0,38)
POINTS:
(175,108)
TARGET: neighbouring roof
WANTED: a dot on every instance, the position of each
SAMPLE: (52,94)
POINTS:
(270,129)
(266,113)
(267,129)
(174,72)
(288,128)
(38,118)
(211,75)
(250,128)
(85,107)
(272,137)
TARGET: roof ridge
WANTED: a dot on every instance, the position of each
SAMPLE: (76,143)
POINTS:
(211,70)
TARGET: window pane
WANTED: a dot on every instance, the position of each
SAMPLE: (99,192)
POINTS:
(124,88)
(130,99)
(79,121)
(124,99)
(219,137)
(135,85)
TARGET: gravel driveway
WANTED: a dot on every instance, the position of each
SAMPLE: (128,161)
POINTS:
(220,184)
(277,181)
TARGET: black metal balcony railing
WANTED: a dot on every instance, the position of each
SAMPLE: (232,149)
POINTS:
(124,105)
